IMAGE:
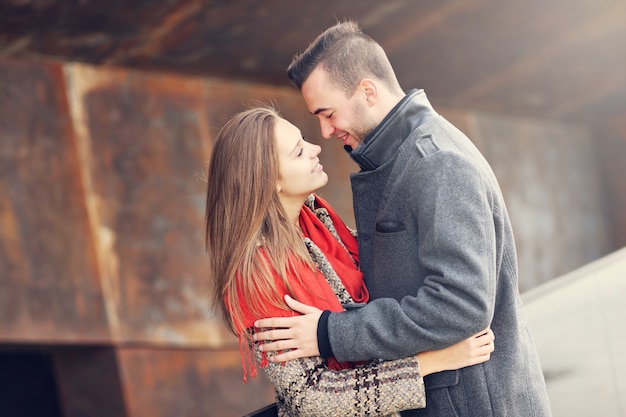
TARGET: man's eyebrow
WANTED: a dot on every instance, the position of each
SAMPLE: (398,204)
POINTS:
(318,111)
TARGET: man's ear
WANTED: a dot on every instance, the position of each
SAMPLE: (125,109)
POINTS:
(370,89)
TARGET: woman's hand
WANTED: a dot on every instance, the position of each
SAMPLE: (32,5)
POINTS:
(471,351)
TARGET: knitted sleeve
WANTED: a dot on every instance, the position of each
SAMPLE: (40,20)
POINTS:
(307,387)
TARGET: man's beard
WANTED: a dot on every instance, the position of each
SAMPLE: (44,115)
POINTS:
(364,126)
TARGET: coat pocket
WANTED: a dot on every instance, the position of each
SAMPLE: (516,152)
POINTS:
(392,262)
(442,394)
(389,226)
(441,379)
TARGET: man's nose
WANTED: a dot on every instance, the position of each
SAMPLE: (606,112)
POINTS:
(327,129)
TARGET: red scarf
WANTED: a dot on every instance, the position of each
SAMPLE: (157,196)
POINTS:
(312,287)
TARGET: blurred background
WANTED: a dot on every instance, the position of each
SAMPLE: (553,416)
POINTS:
(108,111)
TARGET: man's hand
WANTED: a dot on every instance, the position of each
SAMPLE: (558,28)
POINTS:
(298,333)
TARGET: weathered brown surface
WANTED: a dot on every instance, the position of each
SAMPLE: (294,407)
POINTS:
(110,219)
(552,182)
(146,153)
(192,383)
(89,382)
(50,281)
(560,59)
(101,212)
(146,143)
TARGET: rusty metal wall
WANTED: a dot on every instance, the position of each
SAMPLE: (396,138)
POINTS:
(551,177)
(51,286)
(101,219)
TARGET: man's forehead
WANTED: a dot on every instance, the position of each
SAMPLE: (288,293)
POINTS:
(320,96)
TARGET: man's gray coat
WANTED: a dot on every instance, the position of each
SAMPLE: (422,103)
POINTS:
(438,256)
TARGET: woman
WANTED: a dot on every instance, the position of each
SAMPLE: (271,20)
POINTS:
(267,235)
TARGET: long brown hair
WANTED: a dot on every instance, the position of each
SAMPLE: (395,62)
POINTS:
(245,215)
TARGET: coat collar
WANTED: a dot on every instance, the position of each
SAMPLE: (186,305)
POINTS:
(382,144)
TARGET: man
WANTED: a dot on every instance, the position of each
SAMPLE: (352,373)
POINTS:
(435,241)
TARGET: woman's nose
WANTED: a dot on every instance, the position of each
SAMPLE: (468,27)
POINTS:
(315,150)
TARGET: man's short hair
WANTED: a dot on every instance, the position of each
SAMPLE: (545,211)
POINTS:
(347,55)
